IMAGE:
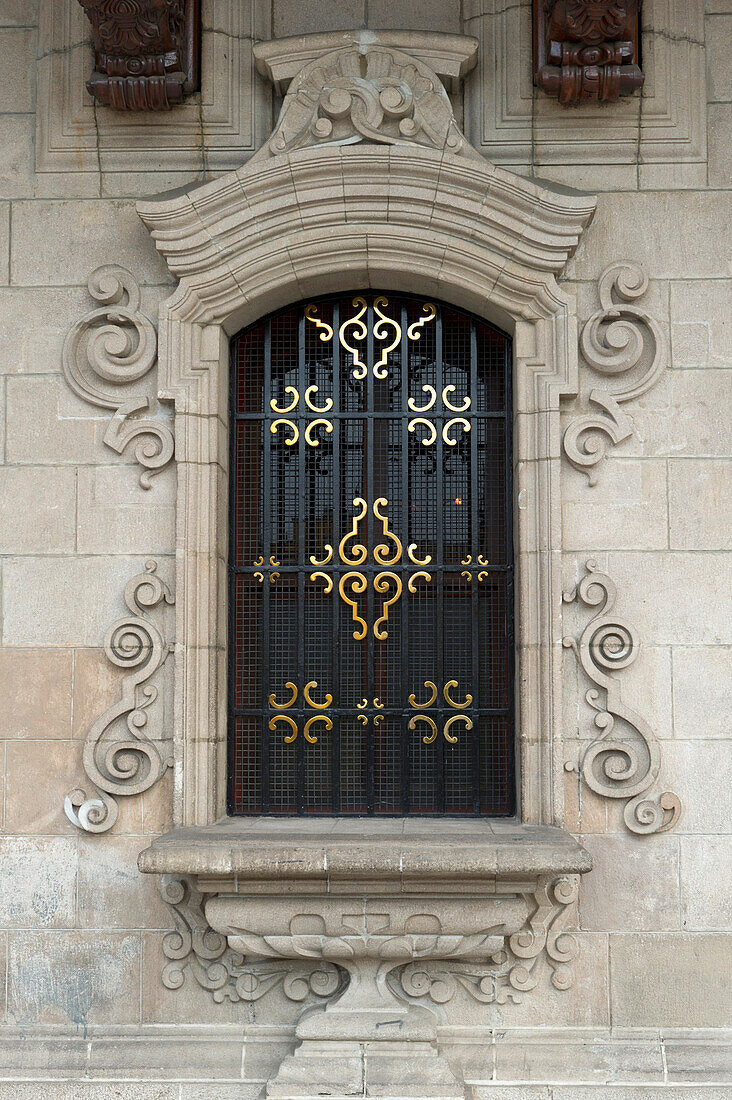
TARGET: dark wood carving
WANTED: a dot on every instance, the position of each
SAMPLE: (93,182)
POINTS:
(146,52)
(587,49)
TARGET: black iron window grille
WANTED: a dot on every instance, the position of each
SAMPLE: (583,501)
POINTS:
(371,562)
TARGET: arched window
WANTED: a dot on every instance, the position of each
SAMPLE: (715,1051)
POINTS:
(371,562)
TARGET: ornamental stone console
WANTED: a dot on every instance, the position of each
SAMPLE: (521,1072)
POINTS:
(385,918)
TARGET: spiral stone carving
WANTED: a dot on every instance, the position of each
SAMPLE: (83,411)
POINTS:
(627,764)
(130,763)
(195,948)
(117,345)
(366,93)
(619,339)
(516,967)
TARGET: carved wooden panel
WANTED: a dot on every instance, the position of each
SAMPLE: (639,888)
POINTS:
(146,52)
(587,49)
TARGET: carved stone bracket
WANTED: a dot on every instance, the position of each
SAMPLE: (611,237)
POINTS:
(370,93)
(117,344)
(618,339)
(146,52)
(624,760)
(130,763)
(587,49)
(517,965)
(197,949)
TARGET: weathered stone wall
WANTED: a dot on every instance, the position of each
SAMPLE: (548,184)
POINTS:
(80,928)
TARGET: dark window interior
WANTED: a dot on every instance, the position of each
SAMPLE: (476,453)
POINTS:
(371,562)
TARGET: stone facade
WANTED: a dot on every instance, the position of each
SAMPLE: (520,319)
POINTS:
(88,560)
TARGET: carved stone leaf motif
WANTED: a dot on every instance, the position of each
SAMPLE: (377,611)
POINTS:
(130,763)
(618,338)
(620,763)
(205,954)
(117,345)
(516,967)
(366,93)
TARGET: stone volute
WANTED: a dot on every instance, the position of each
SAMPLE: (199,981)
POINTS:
(366,180)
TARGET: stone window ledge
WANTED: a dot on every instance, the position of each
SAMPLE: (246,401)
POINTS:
(357,849)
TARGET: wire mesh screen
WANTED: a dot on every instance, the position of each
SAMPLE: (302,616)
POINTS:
(371,562)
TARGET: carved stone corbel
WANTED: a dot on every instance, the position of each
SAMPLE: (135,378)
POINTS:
(128,763)
(616,340)
(587,49)
(625,759)
(117,344)
(146,52)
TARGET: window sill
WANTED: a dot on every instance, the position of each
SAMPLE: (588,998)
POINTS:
(394,850)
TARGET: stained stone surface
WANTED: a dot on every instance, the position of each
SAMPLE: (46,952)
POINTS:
(84,1013)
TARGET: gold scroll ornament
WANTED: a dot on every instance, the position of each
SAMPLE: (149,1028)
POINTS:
(354,583)
(288,720)
(449,722)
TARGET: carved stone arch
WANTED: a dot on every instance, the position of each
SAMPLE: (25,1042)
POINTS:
(382,210)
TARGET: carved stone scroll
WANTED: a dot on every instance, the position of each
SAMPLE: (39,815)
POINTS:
(117,344)
(624,760)
(618,339)
(126,763)
(366,93)
(516,966)
(146,52)
(587,49)
(197,949)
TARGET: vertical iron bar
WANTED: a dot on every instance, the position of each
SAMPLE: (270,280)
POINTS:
(508,512)
(300,743)
(231,625)
(404,745)
(266,545)
(370,597)
(440,539)
(335,603)
(476,488)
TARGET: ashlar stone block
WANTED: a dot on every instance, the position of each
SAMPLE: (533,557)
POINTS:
(37,509)
(670,979)
(117,516)
(701,327)
(35,687)
(17,57)
(700,504)
(37,882)
(644,894)
(702,691)
(705,882)
(74,979)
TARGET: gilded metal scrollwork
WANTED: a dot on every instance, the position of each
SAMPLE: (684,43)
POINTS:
(432,397)
(309,394)
(359,584)
(381,585)
(292,722)
(325,332)
(382,550)
(421,574)
(288,424)
(380,332)
(287,408)
(360,332)
(413,332)
(359,550)
(412,555)
(328,555)
(319,576)
(431,436)
(309,439)
(449,722)
(455,408)
(290,703)
(455,420)
(311,702)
